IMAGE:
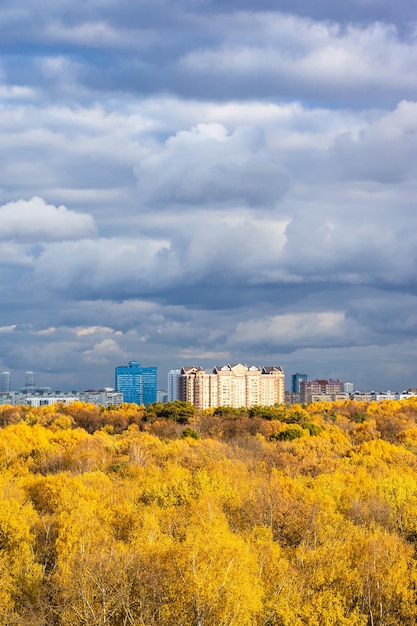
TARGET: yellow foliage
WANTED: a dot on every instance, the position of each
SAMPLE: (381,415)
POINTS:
(110,529)
(218,572)
(327,607)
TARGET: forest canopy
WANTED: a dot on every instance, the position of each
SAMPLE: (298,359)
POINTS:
(165,516)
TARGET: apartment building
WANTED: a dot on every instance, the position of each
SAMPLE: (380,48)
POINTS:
(331,397)
(235,385)
(102,397)
(173,380)
(318,387)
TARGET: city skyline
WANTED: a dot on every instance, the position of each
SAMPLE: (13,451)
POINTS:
(203,182)
(168,381)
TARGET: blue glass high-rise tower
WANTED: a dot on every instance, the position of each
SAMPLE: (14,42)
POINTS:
(138,384)
(296,380)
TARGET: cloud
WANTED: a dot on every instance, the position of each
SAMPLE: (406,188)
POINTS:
(92,330)
(35,220)
(14,254)
(225,168)
(296,330)
(105,352)
(385,151)
(217,182)
(95,266)
(8,329)
(44,331)
(194,255)
(196,50)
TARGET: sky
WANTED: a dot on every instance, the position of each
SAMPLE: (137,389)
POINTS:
(204,182)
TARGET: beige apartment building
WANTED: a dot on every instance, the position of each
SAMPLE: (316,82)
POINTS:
(234,385)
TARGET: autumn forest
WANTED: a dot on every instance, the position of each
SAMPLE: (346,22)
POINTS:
(164,516)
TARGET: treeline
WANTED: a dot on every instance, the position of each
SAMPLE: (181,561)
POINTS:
(164,516)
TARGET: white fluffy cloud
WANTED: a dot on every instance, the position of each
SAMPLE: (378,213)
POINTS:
(36,221)
(106,352)
(208,165)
